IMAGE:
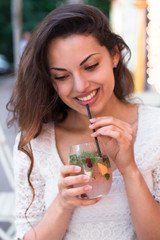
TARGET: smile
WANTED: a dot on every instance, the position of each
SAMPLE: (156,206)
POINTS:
(88,97)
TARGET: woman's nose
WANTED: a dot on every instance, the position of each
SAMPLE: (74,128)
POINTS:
(80,83)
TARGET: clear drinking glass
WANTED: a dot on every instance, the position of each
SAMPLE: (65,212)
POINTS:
(97,167)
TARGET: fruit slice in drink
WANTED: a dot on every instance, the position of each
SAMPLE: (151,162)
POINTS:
(99,171)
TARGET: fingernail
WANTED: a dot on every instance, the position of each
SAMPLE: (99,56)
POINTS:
(77,168)
(91,126)
(93,134)
(99,198)
(86,178)
(87,188)
(92,119)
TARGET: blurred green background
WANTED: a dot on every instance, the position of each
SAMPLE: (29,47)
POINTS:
(32,14)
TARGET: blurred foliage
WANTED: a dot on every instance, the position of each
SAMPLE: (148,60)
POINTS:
(5,29)
(32,14)
(103,5)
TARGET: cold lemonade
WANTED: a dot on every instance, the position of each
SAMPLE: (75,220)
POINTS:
(98,169)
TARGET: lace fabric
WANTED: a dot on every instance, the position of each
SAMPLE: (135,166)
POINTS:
(110,218)
(26,219)
(156,190)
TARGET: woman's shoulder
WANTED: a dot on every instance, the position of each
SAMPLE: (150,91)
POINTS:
(149,109)
(43,149)
(45,140)
(149,116)
(148,135)
(148,131)
(149,123)
(46,131)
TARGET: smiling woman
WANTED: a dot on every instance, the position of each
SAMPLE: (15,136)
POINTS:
(85,77)
(73,59)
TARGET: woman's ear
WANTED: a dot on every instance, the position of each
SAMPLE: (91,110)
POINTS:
(115,56)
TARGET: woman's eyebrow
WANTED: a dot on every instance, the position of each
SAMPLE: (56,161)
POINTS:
(63,69)
(59,69)
(87,58)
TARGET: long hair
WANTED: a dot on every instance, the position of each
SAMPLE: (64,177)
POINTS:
(34,101)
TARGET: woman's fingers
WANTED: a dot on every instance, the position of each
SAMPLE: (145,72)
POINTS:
(69,194)
(66,183)
(76,191)
(69,169)
(113,132)
(113,128)
(72,180)
(118,137)
(76,202)
(72,185)
(110,121)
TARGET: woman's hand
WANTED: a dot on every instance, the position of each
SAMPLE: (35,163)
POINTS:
(118,138)
(68,195)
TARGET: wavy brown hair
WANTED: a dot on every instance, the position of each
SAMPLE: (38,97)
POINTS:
(34,101)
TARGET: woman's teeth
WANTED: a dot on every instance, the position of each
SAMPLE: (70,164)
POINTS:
(90,96)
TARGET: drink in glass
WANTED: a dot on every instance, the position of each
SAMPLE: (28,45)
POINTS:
(97,167)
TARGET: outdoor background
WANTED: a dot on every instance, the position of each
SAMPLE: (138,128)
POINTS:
(138,22)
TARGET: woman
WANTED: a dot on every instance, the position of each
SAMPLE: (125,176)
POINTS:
(74,59)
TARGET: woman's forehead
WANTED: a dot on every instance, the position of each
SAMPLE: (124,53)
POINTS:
(77,47)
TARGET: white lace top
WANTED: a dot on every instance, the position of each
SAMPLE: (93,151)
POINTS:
(110,218)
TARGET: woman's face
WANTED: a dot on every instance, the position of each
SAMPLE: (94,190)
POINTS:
(82,72)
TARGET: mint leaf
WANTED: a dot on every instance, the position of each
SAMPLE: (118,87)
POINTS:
(93,160)
(84,154)
(73,159)
(107,176)
(107,162)
(89,154)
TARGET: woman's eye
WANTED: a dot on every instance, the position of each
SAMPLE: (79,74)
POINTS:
(91,67)
(60,77)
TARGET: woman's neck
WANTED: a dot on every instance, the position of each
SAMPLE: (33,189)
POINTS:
(123,111)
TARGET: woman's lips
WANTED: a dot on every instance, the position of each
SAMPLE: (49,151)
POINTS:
(89,98)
